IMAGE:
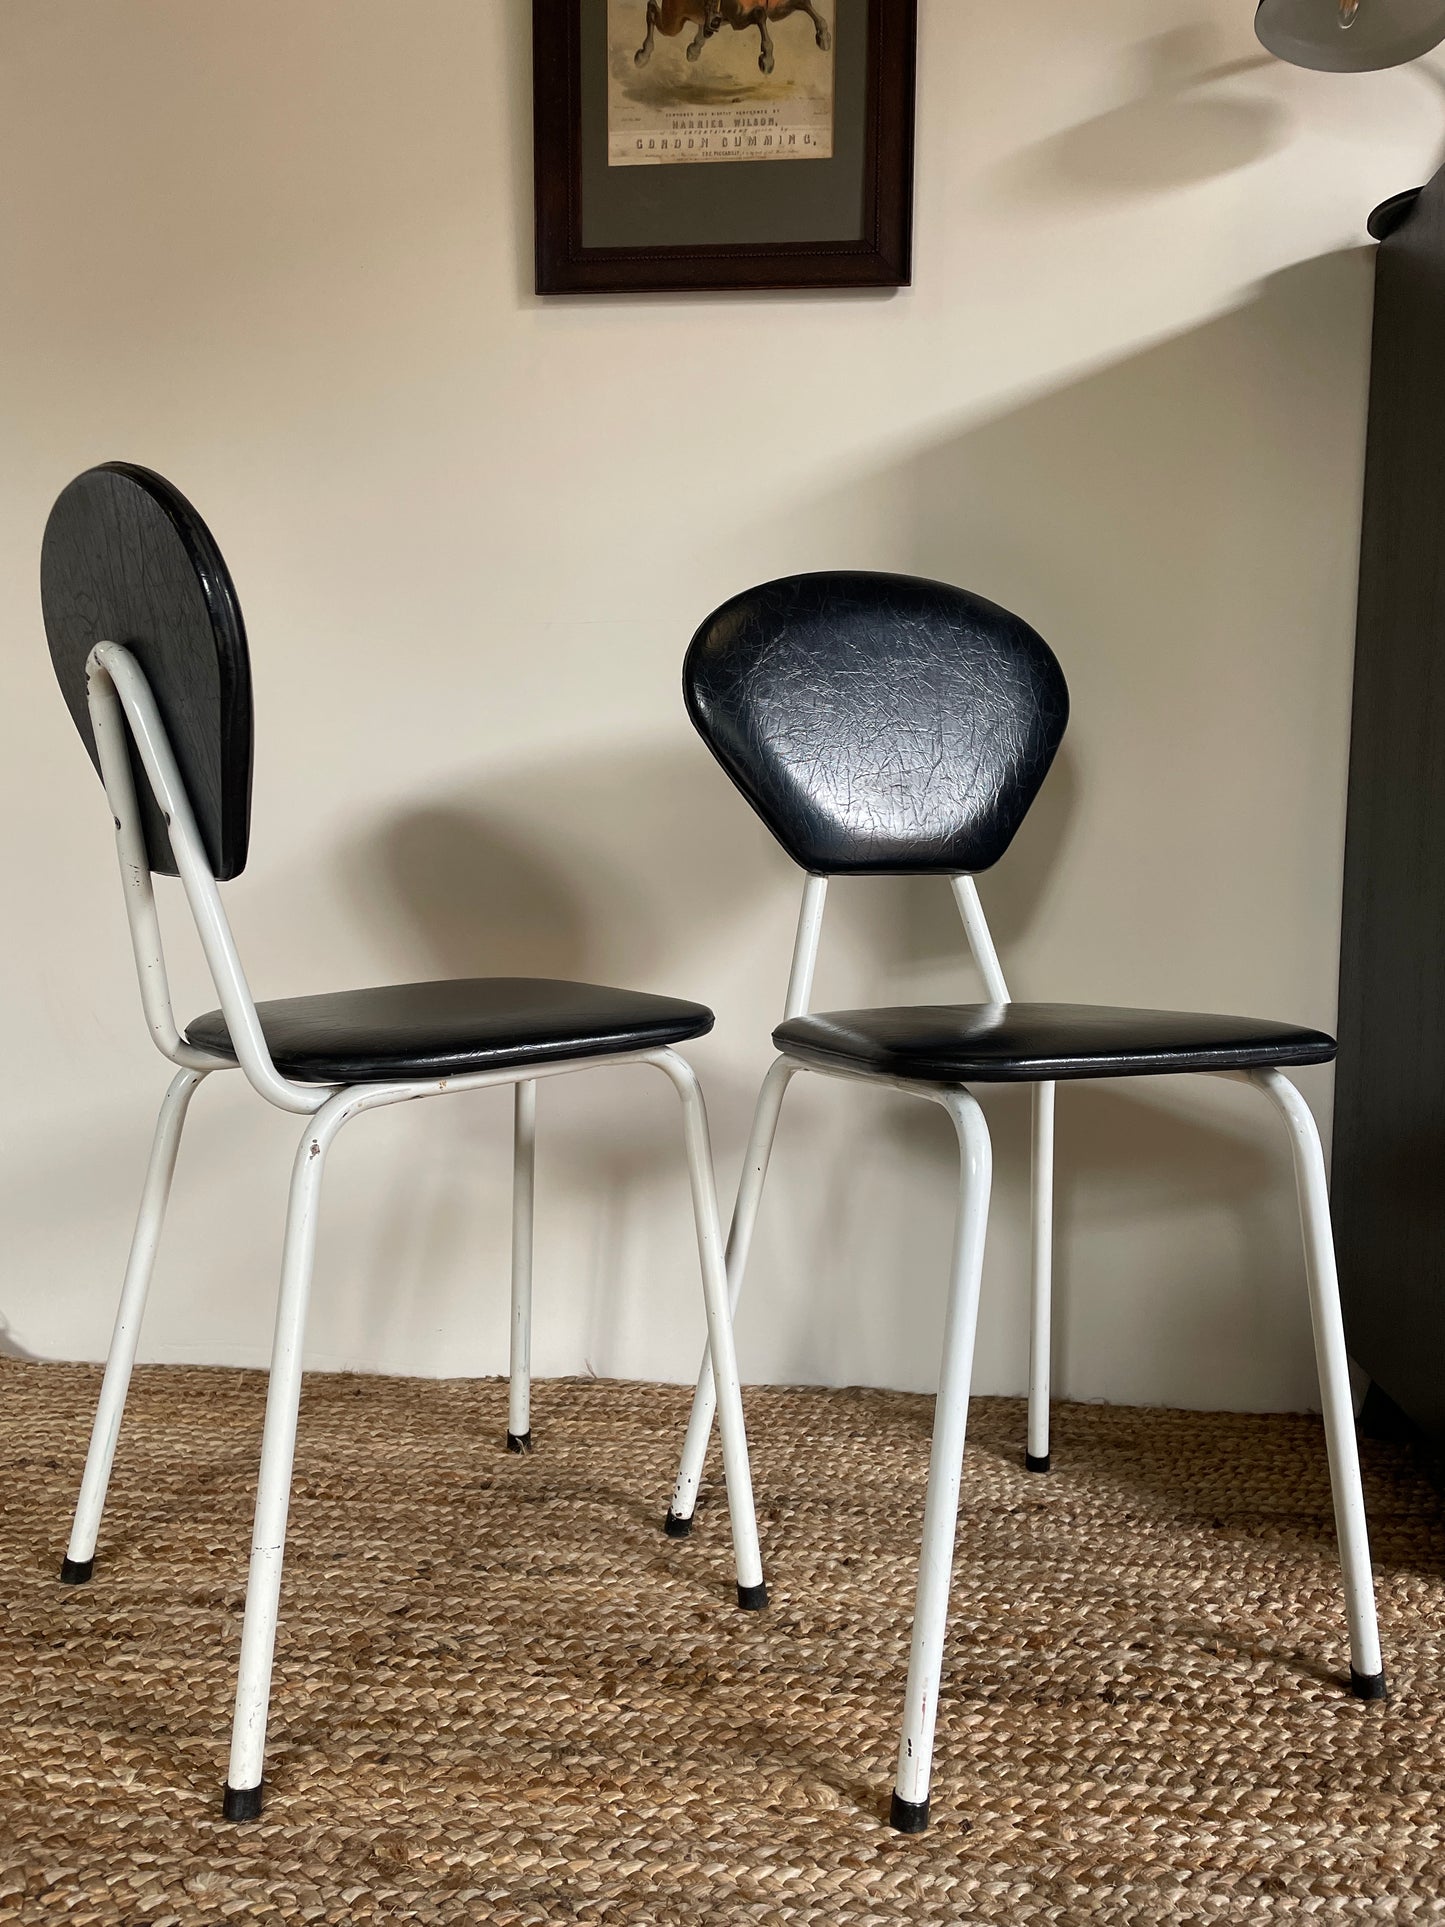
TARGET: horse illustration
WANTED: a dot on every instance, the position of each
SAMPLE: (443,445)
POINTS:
(672,16)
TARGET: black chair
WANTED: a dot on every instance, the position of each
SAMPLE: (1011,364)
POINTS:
(884,725)
(147,641)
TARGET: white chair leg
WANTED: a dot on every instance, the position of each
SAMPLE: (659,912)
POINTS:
(1041,1279)
(752,1593)
(524,1153)
(740,1237)
(909,1813)
(79,1560)
(243,1794)
(1367,1672)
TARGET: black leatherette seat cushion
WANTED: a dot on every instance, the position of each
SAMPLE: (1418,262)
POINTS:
(447,1029)
(878,722)
(1038,1043)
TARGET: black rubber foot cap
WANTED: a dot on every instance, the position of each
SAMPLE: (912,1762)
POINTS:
(519,1442)
(752,1599)
(1368,1686)
(75,1572)
(1031,1464)
(676,1528)
(908,1816)
(242,1802)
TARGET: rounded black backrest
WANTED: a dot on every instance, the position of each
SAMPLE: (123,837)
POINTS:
(878,723)
(127,559)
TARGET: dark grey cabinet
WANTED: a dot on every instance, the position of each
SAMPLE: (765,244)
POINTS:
(1389,1139)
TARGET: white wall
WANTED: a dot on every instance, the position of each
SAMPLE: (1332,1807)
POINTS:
(281,253)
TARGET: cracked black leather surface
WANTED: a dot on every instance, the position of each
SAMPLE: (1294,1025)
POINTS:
(446,1029)
(1042,1043)
(878,723)
(125,558)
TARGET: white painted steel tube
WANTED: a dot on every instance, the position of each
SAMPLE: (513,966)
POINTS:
(278,1449)
(202,896)
(749,1196)
(1041,1275)
(109,727)
(980,939)
(751,1591)
(1041,1189)
(945,1468)
(278,1444)
(524,1152)
(1366,1665)
(740,1239)
(805,947)
(140,1266)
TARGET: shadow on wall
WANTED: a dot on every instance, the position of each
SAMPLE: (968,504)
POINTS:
(623,867)
(605,863)
(1138,518)
(1182,527)
(607,867)
(10,1348)
(1168,523)
(1186,117)
(1184,120)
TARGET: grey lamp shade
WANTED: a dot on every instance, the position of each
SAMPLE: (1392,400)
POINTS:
(1383,33)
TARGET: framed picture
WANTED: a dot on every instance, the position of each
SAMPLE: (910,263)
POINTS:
(723,143)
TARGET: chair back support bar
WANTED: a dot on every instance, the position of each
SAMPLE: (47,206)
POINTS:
(980,939)
(798,1001)
(124,717)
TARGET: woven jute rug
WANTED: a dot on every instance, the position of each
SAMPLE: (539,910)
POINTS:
(503,1695)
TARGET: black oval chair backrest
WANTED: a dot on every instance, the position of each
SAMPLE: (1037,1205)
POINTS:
(878,723)
(127,559)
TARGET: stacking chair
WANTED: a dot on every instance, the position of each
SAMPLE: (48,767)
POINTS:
(147,641)
(884,725)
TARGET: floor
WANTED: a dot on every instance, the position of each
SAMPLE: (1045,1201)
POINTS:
(503,1695)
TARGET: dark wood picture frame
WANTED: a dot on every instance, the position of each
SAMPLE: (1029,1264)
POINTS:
(880,258)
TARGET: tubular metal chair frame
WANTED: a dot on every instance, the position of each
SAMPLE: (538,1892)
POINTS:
(122,708)
(910,1802)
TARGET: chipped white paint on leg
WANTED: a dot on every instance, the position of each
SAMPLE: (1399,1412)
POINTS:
(945,1467)
(278,1446)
